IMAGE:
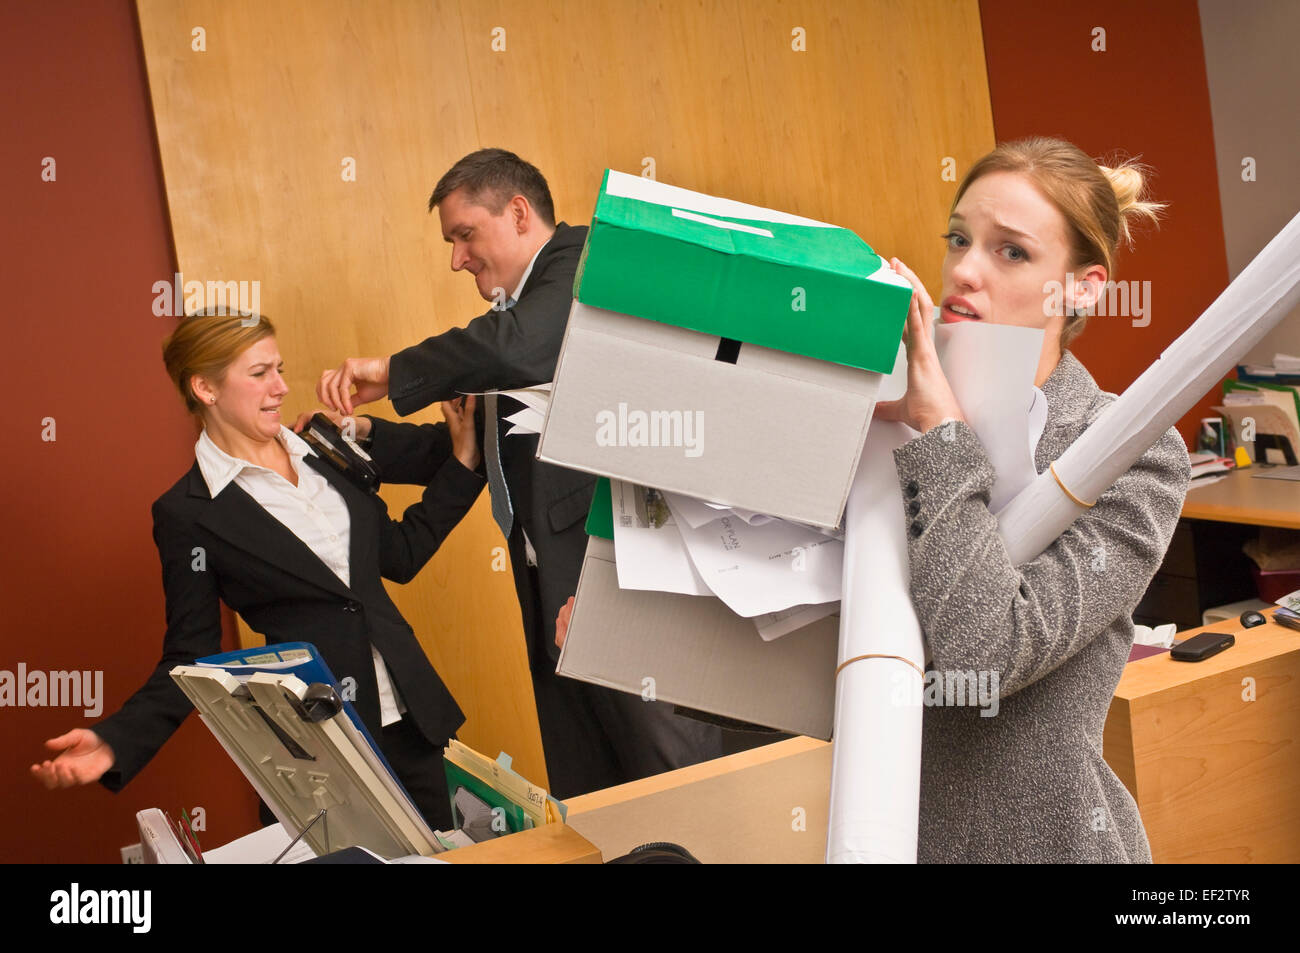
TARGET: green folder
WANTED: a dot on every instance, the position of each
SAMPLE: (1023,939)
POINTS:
(600,518)
(516,817)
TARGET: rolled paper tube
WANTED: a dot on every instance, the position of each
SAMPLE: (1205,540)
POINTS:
(876,762)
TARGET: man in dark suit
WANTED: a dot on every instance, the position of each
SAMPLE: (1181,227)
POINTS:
(497,214)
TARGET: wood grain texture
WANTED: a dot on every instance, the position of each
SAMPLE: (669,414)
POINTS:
(253,133)
(1213,770)
(552,844)
(768,805)
(1241,497)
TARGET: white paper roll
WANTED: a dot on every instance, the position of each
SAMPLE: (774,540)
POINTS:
(876,763)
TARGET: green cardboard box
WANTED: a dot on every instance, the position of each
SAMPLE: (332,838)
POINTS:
(741,272)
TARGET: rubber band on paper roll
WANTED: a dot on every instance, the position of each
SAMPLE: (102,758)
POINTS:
(1066,490)
(857,658)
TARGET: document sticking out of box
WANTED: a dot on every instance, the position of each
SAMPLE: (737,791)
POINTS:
(652,553)
(757,569)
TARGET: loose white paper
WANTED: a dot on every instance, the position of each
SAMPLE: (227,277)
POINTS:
(260,847)
(526,421)
(991,369)
(764,568)
(1290,601)
(773,625)
(1162,636)
(648,548)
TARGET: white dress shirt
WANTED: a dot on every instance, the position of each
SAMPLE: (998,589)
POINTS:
(313,511)
(514,295)
(530,554)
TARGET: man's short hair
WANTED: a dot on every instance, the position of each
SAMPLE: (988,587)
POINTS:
(491,178)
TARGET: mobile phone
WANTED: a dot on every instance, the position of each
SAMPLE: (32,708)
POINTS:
(343,454)
(1284,616)
(1200,647)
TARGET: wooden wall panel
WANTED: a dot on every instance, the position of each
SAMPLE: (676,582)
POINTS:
(253,131)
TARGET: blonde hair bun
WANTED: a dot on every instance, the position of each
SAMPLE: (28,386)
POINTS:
(1128,180)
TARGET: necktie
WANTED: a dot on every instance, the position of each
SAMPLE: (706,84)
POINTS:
(502,511)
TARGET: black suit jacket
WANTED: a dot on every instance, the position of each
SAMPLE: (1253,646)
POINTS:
(258,567)
(504,350)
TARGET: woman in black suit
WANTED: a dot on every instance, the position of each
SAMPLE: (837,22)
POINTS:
(266,526)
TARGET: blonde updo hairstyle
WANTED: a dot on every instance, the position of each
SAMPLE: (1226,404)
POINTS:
(1099,203)
(206,344)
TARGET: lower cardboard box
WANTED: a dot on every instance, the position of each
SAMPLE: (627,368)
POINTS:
(695,652)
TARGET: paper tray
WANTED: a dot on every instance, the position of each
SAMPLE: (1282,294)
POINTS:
(330,765)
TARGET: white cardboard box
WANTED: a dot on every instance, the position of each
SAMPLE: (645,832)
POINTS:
(698,653)
(649,402)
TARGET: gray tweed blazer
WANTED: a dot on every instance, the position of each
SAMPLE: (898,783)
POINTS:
(1029,783)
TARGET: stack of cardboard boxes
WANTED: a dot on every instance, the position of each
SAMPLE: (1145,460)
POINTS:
(733,354)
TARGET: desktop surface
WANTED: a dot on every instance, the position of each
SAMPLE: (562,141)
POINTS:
(1241,497)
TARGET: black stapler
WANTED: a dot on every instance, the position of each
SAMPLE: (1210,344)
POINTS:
(341,452)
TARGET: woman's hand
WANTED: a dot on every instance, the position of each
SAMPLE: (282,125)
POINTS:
(929,400)
(562,621)
(459,415)
(82,758)
(360,425)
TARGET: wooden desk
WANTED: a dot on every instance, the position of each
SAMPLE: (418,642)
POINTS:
(762,806)
(1242,498)
(552,844)
(1215,775)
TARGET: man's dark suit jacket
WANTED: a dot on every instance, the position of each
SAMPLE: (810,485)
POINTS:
(504,350)
(258,567)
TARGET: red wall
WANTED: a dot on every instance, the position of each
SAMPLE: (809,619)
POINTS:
(80,573)
(1146,96)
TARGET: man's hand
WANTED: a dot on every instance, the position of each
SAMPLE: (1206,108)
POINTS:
(360,426)
(368,375)
(459,414)
(562,621)
(82,758)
